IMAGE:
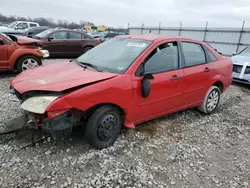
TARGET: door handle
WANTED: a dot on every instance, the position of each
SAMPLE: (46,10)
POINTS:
(175,77)
(207,69)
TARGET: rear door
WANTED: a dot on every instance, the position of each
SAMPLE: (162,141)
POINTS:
(75,43)
(56,45)
(197,72)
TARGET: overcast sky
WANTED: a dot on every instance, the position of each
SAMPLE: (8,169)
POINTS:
(229,13)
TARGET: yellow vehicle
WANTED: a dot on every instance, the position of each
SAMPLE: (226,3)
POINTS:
(98,28)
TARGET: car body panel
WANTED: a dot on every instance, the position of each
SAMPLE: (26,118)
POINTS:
(124,90)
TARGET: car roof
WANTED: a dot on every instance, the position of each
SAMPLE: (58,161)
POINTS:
(155,37)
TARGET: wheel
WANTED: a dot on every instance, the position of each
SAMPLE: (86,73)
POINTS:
(211,101)
(87,49)
(27,62)
(103,127)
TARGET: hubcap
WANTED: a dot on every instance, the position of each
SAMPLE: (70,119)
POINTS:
(213,99)
(107,127)
(29,63)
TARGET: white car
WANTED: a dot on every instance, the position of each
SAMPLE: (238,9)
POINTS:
(241,66)
(18,27)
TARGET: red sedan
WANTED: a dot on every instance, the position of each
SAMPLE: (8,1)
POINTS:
(123,82)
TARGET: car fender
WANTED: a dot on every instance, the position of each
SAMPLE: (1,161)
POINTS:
(22,52)
(105,92)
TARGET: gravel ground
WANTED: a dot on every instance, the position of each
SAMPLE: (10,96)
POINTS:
(186,149)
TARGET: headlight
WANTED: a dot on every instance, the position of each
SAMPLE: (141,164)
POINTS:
(38,104)
(44,53)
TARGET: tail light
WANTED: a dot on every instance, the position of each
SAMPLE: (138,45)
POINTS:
(99,42)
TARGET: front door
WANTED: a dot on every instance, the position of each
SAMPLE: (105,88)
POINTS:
(56,45)
(166,86)
(197,73)
(3,54)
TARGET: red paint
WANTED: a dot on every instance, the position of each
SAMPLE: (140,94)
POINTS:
(167,96)
(10,51)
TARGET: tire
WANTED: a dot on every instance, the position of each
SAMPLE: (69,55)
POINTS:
(26,62)
(87,49)
(213,94)
(103,127)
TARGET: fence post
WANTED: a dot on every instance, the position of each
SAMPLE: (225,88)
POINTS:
(241,32)
(128,28)
(180,29)
(205,32)
(159,31)
(142,25)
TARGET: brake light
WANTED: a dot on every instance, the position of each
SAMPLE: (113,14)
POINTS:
(98,41)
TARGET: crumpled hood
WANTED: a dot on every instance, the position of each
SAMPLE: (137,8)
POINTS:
(56,77)
(26,40)
(240,60)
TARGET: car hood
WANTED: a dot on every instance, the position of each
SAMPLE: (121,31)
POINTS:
(26,40)
(57,77)
(9,30)
(240,60)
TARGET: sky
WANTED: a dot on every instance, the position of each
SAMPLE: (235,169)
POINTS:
(118,13)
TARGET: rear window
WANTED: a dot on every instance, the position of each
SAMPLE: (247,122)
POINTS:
(193,54)
(74,35)
(33,25)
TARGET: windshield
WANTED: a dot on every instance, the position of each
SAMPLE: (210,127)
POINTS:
(6,36)
(245,52)
(12,24)
(44,34)
(115,55)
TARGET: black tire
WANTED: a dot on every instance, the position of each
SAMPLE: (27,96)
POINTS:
(87,49)
(103,127)
(204,106)
(21,61)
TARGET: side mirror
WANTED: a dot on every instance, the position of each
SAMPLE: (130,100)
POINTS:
(1,42)
(50,38)
(146,85)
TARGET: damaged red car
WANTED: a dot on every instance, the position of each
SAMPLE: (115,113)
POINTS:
(123,82)
(20,53)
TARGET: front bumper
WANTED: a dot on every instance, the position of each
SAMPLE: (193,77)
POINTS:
(241,78)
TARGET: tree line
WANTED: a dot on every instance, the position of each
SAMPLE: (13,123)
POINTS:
(46,22)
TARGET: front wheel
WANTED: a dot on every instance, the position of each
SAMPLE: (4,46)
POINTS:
(26,62)
(211,101)
(103,127)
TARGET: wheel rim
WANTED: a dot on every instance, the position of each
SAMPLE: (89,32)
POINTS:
(107,127)
(29,63)
(212,101)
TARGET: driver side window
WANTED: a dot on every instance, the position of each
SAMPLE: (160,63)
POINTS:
(59,35)
(164,58)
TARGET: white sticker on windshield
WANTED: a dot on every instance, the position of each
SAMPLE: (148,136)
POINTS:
(138,45)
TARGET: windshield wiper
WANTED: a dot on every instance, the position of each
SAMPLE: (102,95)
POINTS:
(84,65)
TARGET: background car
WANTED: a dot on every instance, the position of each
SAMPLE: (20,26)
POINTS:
(104,36)
(66,43)
(36,30)
(22,25)
(20,54)
(241,66)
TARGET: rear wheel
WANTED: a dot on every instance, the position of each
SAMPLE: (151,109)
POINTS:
(26,62)
(87,49)
(211,101)
(103,127)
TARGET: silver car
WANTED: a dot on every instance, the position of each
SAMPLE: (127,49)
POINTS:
(241,66)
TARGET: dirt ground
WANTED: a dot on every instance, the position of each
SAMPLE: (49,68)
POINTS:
(185,149)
